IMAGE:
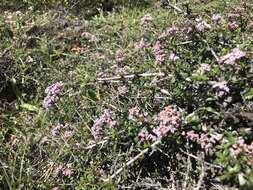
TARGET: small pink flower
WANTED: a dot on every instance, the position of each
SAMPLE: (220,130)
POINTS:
(120,56)
(233,15)
(191,135)
(56,188)
(203,26)
(57,170)
(168,123)
(157,47)
(144,135)
(44,140)
(170,32)
(112,124)
(233,26)
(123,90)
(221,87)
(77,145)
(250,149)
(173,57)
(240,146)
(163,130)
(204,68)
(146,20)
(203,141)
(104,119)
(67,172)
(188,29)
(217,18)
(238,151)
(121,70)
(134,113)
(52,94)
(241,143)
(158,52)
(141,45)
(230,58)
(58,128)
(67,134)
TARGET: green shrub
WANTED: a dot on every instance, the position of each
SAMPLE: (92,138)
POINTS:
(148,96)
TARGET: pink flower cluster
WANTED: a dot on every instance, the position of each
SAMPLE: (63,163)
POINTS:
(146,20)
(201,139)
(221,88)
(52,94)
(104,119)
(120,56)
(204,68)
(242,147)
(173,57)
(203,27)
(158,52)
(144,135)
(141,45)
(217,19)
(119,70)
(57,129)
(65,131)
(123,90)
(233,16)
(233,56)
(66,171)
(188,29)
(169,121)
(233,26)
(170,32)
(134,113)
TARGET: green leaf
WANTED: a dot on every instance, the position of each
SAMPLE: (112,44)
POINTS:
(234,169)
(16,90)
(224,177)
(29,107)
(225,153)
(249,94)
(199,77)
(192,118)
(231,139)
(210,110)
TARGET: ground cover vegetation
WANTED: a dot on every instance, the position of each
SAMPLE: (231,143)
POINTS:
(126,94)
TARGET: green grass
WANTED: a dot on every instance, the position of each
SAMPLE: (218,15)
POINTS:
(41,47)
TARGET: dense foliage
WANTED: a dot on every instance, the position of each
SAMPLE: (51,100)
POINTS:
(147,97)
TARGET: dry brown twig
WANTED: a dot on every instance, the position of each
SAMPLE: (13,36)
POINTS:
(130,76)
(95,144)
(176,7)
(202,174)
(184,43)
(187,175)
(212,51)
(134,159)
(198,159)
